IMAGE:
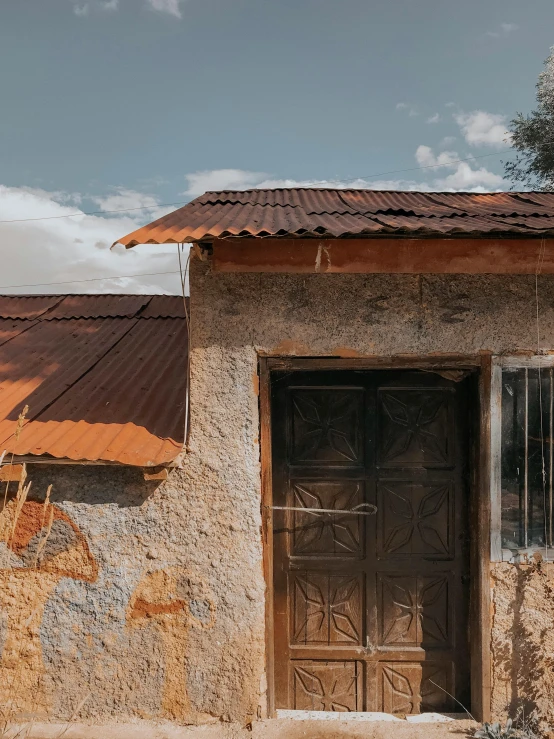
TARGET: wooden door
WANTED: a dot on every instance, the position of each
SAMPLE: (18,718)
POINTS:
(371,612)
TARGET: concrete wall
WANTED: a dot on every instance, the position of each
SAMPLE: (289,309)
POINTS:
(150,598)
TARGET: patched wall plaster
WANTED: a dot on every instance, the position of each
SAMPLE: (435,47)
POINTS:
(179,587)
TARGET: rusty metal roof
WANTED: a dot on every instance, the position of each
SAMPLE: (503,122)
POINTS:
(103,379)
(318,212)
(27,306)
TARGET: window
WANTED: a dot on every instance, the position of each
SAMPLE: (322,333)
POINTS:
(522,426)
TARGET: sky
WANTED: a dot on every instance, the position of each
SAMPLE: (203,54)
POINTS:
(109,105)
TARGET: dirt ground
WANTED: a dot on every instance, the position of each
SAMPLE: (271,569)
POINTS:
(271,729)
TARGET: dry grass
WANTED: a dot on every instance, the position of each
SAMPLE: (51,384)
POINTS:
(10,714)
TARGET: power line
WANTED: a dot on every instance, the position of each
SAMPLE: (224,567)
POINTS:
(415,169)
(90,279)
(96,212)
(311,182)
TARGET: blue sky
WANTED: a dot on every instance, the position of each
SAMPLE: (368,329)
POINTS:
(109,104)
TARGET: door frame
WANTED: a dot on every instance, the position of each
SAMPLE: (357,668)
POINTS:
(479,485)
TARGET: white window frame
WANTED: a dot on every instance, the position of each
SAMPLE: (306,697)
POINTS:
(499,363)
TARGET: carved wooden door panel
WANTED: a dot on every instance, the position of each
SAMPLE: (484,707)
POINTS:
(370,612)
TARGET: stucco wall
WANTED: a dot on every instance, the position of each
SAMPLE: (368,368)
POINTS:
(140,603)
(523,639)
(152,600)
(238,316)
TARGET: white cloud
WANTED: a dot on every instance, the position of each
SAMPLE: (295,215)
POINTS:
(222,179)
(462,177)
(411,109)
(67,250)
(95,5)
(446,141)
(131,200)
(505,29)
(482,128)
(426,158)
(70,251)
(474,180)
(434,118)
(172,7)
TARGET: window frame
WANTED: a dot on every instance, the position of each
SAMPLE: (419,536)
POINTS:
(499,364)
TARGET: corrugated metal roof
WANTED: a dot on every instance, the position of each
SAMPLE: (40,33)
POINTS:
(165,306)
(318,212)
(11,327)
(27,306)
(100,306)
(98,388)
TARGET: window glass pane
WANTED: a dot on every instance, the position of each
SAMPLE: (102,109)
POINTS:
(513,390)
(526,457)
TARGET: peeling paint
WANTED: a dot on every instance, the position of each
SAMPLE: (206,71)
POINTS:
(31,565)
(170,598)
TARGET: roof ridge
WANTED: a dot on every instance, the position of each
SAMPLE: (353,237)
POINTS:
(369,189)
(62,296)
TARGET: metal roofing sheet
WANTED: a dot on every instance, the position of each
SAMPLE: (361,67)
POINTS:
(165,306)
(336,213)
(129,408)
(99,306)
(11,327)
(37,366)
(27,306)
(98,389)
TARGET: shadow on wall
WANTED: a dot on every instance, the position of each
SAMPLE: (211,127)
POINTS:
(92,485)
(524,659)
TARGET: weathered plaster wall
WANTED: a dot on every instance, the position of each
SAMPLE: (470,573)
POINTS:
(149,598)
(523,639)
(236,316)
(145,599)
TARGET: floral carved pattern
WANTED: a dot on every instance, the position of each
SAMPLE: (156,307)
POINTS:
(327,609)
(414,610)
(415,519)
(327,533)
(414,427)
(326,686)
(415,688)
(326,427)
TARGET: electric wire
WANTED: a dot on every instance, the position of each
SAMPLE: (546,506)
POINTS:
(310,184)
(90,279)
(183,277)
(540,261)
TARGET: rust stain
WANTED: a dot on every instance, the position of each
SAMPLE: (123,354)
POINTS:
(144,609)
(256,383)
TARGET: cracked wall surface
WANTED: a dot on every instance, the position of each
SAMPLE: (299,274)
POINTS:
(168,620)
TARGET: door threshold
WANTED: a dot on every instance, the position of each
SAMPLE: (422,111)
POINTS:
(421,718)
